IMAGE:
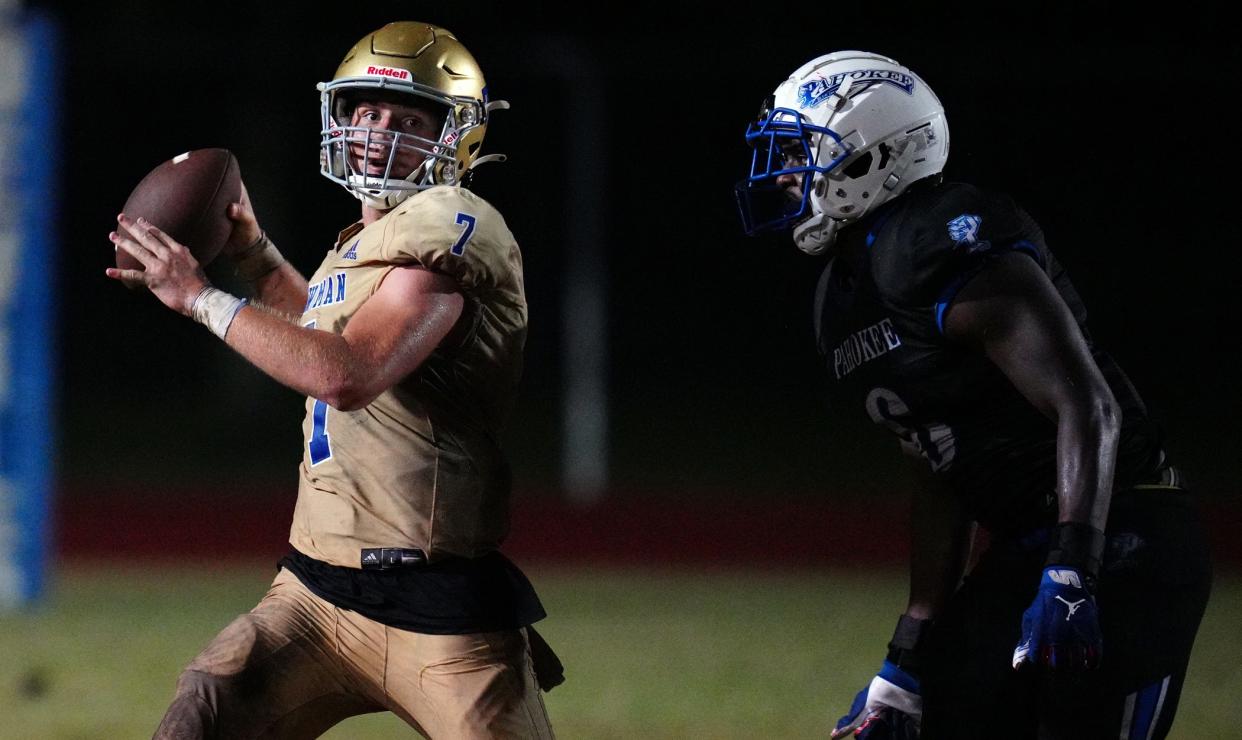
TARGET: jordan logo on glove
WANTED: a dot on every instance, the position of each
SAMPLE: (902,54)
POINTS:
(1073,606)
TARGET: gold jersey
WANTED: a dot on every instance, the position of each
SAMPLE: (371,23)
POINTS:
(420,466)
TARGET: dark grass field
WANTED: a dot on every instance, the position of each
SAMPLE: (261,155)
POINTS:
(702,653)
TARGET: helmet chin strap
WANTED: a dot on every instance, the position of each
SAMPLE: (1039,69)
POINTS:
(904,160)
(485,159)
(387,199)
(815,234)
(385,202)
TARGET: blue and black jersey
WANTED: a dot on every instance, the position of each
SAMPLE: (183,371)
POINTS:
(879,311)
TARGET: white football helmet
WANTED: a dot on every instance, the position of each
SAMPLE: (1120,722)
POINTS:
(853,129)
(414,59)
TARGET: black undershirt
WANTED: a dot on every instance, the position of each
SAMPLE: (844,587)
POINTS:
(453,596)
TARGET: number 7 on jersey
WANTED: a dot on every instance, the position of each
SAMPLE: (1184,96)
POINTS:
(459,247)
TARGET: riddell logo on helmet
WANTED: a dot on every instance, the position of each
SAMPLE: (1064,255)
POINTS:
(393,72)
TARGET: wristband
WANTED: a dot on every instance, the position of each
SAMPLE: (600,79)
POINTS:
(907,642)
(215,309)
(258,260)
(1079,546)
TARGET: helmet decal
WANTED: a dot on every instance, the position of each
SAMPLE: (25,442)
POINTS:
(393,72)
(812,93)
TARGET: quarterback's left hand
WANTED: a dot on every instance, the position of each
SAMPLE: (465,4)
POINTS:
(169,270)
(1061,628)
(246,229)
(889,708)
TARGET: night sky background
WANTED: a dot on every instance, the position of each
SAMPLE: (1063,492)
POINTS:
(1110,128)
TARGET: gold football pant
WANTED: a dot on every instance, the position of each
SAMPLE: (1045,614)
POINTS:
(297,665)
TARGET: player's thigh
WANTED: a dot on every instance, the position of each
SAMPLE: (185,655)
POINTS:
(274,671)
(466,686)
(287,622)
(1153,591)
(1148,631)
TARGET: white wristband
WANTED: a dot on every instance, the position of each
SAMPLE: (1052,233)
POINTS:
(215,309)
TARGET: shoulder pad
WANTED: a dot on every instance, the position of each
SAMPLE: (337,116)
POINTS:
(940,238)
(453,231)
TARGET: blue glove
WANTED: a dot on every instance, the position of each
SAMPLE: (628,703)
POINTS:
(889,708)
(1061,628)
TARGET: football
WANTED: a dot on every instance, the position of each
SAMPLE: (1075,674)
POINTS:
(188,198)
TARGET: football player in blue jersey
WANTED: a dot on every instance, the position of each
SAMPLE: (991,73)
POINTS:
(944,316)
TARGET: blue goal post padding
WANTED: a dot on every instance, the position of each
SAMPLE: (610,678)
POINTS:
(30,93)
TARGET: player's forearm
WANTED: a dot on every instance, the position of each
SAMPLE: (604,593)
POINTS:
(273,281)
(1012,311)
(283,290)
(316,363)
(1087,437)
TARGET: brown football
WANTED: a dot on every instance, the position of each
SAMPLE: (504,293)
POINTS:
(188,198)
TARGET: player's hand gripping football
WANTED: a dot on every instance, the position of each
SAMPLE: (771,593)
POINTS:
(889,708)
(1061,628)
(169,270)
(246,229)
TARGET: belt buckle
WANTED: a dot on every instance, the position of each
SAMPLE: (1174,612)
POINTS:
(389,558)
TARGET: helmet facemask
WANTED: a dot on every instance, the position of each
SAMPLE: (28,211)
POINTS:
(342,143)
(784,144)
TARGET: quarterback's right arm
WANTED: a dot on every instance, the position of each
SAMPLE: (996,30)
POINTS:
(273,281)
(393,333)
(387,338)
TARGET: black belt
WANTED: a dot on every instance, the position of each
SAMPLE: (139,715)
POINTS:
(389,558)
(1167,479)
(1170,478)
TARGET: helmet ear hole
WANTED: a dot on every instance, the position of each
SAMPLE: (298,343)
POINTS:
(885,154)
(859,167)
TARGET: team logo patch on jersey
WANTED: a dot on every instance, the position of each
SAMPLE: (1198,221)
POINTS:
(811,94)
(352,254)
(964,231)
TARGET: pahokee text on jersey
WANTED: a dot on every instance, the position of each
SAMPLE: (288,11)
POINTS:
(420,466)
(879,311)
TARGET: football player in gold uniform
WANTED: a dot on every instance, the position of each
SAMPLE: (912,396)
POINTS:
(408,344)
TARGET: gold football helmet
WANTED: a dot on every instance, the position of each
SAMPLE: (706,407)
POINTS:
(415,59)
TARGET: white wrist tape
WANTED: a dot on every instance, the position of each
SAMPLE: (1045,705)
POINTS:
(258,260)
(215,309)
